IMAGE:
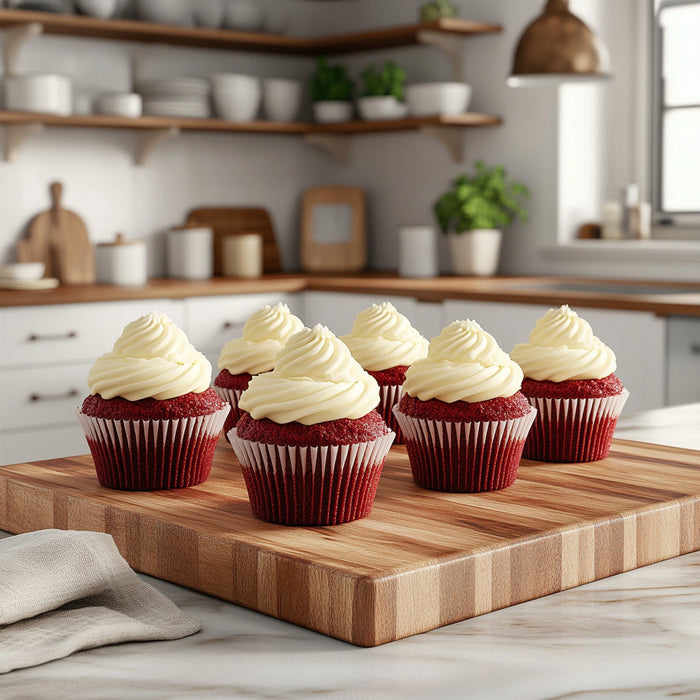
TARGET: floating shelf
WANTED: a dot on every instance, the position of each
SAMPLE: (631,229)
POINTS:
(22,125)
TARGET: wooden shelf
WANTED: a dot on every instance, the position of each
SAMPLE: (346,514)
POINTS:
(151,32)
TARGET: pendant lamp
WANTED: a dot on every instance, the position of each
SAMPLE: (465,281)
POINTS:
(558,47)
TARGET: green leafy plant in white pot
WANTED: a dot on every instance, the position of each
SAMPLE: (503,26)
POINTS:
(331,92)
(382,92)
(473,213)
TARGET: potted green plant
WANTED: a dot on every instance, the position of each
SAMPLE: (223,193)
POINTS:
(435,9)
(382,92)
(331,92)
(473,213)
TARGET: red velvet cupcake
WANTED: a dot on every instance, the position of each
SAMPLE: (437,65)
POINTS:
(385,344)
(310,444)
(264,334)
(569,378)
(463,417)
(152,422)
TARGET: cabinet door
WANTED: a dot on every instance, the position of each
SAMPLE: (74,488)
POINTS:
(48,443)
(683,360)
(637,338)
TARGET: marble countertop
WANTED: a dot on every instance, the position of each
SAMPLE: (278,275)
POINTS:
(633,635)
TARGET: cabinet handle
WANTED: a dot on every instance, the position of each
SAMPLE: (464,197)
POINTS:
(695,348)
(36,337)
(228,325)
(70,394)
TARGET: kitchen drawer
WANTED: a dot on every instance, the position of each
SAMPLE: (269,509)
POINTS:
(212,321)
(683,360)
(34,396)
(70,332)
(47,443)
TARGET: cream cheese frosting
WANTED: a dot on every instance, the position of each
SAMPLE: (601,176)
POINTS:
(464,363)
(315,379)
(264,334)
(562,347)
(152,358)
(381,338)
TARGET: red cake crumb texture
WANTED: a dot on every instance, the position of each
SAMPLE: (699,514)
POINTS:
(232,381)
(344,431)
(515,406)
(573,388)
(184,406)
(393,376)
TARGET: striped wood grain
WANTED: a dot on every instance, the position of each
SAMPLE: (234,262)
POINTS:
(421,560)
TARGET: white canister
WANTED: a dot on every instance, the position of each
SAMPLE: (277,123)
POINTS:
(121,262)
(190,253)
(243,255)
(417,251)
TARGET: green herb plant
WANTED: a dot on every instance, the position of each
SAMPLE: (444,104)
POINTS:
(387,81)
(331,82)
(482,200)
(435,9)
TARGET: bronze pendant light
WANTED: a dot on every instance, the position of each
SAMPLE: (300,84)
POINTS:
(558,47)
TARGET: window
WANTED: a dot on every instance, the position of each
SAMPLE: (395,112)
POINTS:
(676,185)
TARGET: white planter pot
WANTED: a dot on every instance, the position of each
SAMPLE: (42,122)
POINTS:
(332,111)
(475,252)
(381,107)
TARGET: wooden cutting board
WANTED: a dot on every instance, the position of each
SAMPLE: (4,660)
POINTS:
(421,560)
(234,221)
(59,239)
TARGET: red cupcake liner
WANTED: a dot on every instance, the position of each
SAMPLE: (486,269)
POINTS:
(329,485)
(389,396)
(464,457)
(142,455)
(231,396)
(573,430)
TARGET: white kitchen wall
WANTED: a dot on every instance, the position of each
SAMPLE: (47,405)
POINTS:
(570,166)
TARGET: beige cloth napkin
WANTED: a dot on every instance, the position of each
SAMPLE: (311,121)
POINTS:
(62,591)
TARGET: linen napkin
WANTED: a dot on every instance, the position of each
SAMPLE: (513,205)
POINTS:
(62,591)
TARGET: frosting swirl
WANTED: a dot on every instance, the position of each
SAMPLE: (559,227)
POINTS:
(464,363)
(562,347)
(315,379)
(381,338)
(264,334)
(152,358)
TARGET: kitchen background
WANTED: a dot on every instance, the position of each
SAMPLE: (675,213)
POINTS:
(574,146)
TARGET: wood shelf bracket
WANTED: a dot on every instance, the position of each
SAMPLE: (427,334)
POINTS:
(16,135)
(150,140)
(337,145)
(451,137)
(451,44)
(15,38)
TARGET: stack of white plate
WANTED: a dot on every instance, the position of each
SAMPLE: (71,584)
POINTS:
(41,5)
(176,97)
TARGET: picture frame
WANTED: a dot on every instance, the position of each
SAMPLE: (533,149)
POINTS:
(333,229)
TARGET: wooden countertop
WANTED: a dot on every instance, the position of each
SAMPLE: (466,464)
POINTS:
(662,298)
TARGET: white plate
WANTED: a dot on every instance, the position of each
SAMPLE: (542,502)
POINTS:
(47,283)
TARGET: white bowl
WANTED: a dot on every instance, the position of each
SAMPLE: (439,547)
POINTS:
(98,8)
(236,96)
(245,15)
(22,271)
(282,98)
(123,104)
(332,111)
(165,11)
(39,92)
(428,99)
(381,107)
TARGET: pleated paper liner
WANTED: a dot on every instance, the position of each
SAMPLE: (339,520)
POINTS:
(327,485)
(145,455)
(389,396)
(573,430)
(464,457)
(231,397)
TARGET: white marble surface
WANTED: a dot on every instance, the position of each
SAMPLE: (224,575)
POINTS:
(635,635)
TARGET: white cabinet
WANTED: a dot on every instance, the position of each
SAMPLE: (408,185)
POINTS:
(683,380)
(638,339)
(45,355)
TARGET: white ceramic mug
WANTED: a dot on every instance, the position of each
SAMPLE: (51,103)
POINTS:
(282,99)
(417,251)
(190,253)
(243,255)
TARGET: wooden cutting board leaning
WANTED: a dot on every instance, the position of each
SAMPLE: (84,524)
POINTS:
(58,238)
